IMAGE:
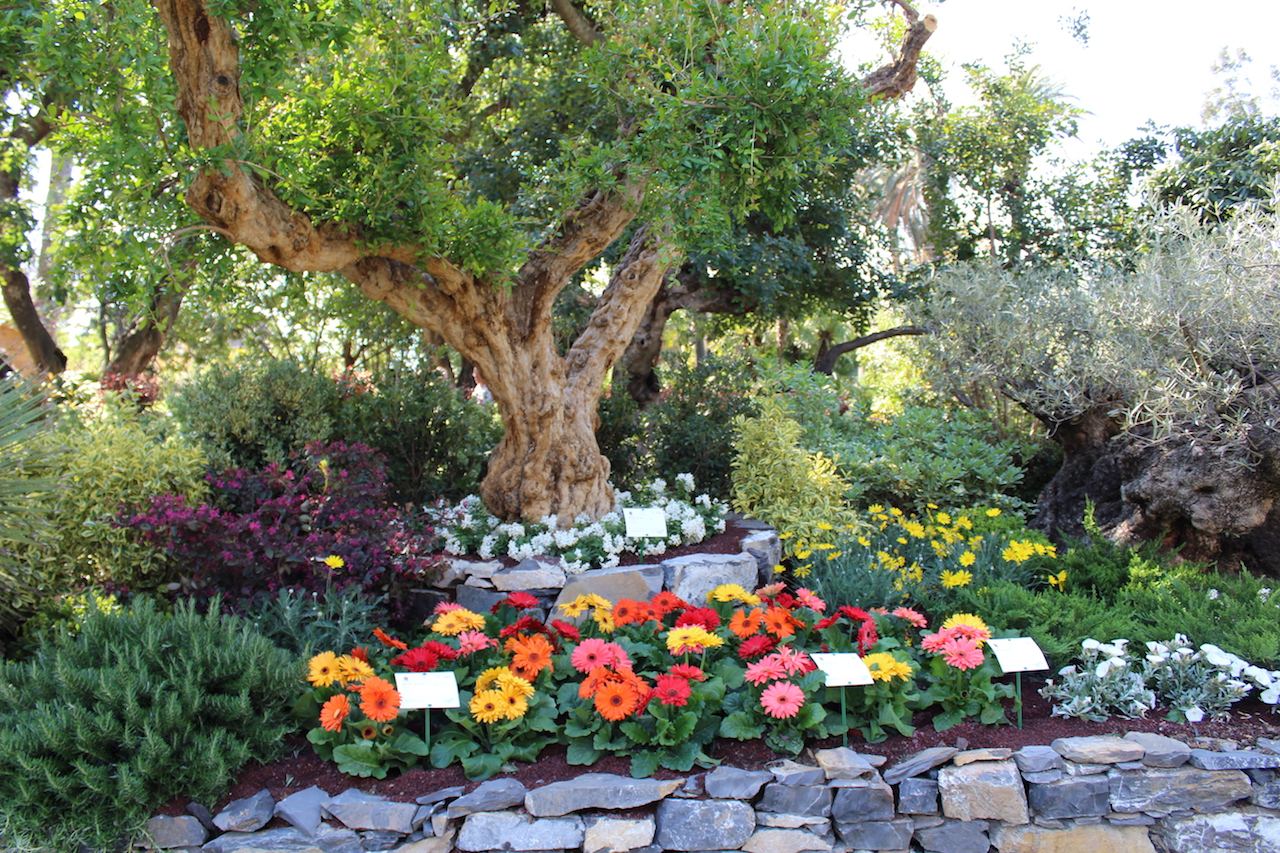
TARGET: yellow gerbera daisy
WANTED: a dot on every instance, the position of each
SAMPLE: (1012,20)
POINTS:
(353,669)
(487,678)
(489,706)
(965,619)
(454,622)
(509,682)
(323,669)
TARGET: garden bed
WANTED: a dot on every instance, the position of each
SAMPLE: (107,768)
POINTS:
(1249,720)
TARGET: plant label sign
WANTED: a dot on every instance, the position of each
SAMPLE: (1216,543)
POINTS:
(427,689)
(1018,654)
(843,670)
(647,522)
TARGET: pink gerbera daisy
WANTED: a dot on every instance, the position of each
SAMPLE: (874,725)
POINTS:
(782,700)
(867,636)
(933,642)
(811,601)
(591,653)
(470,642)
(911,616)
(445,606)
(794,661)
(962,653)
(765,670)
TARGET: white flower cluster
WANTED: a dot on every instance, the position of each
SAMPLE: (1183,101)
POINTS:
(1192,683)
(470,529)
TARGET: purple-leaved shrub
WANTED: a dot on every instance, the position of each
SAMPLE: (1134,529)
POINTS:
(321,523)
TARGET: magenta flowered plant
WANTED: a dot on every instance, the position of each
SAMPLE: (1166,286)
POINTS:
(263,530)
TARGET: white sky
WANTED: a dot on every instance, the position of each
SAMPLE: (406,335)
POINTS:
(1144,60)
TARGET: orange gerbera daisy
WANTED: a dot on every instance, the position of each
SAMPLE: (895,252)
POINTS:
(379,700)
(530,655)
(779,622)
(389,641)
(616,700)
(744,624)
(595,679)
(334,711)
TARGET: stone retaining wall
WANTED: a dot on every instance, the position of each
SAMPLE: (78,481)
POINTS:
(1143,792)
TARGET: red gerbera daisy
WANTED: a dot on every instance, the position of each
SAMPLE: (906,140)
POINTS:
(688,671)
(417,660)
(756,646)
(668,602)
(565,631)
(704,616)
(672,690)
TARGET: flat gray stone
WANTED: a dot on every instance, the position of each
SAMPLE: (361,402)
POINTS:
(166,832)
(247,814)
(921,762)
(1037,759)
(303,809)
(483,832)
(733,783)
(377,840)
(843,763)
(1266,789)
(1161,751)
(1076,768)
(955,836)
(491,796)
(793,821)
(788,772)
(287,840)
(687,825)
(796,799)
(877,834)
(1163,791)
(1082,796)
(870,801)
(1098,749)
(383,816)
(596,791)
(450,793)
(1270,744)
(1232,832)
(478,600)
(693,576)
(532,573)
(918,796)
(1239,759)
(1042,778)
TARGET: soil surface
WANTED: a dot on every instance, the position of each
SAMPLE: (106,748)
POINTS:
(301,768)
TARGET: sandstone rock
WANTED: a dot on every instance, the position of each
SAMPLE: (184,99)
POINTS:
(637,582)
(921,762)
(687,825)
(988,789)
(843,763)
(1161,751)
(969,756)
(247,814)
(596,791)
(785,841)
(793,821)
(617,835)
(1100,749)
(1098,838)
(1160,791)
(442,843)
(489,831)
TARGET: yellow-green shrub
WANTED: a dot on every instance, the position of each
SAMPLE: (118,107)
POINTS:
(776,481)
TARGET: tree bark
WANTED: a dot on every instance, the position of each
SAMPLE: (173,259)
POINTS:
(142,342)
(1089,475)
(826,360)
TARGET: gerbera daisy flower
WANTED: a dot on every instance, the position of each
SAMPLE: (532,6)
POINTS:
(489,677)
(688,671)
(603,617)
(322,670)
(615,700)
(595,679)
(518,600)
(591,653)
(962,653)
(526,624)
(771,590)
(574,609)
(765,670)
(444,607)
(517,704)
(794,661)
(359,653)
(672,690)
(353,669)
(334,711)
(966,619)
(417,660)
(565,631)
(444,650)
(779,622)
(691,639)
(457,621)
(856,614)
(745,624)
(368,731)
(756,646)
(810,600)
(489,706)
(529,655)
(912,616)
(628,611)
(867,636)
(826,621)
(885,667)
(782,700)
(470,642)
(970,632)
(704,616)
(509,682)
(933,642)
(389,641)
(668,602)
(379,701)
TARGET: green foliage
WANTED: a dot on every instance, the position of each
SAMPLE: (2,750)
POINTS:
(302,623)
(434,439)
(1218,169)
(98,730)
(620,435)
(114,460)
(777,481)
(247,415)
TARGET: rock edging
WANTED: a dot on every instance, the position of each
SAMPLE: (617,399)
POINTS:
(1137,794)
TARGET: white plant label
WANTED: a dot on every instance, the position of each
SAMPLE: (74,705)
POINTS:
(843,670)
(427,689)
(1018,654)
(645,522)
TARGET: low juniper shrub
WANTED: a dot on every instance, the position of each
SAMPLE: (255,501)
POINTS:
(320,524)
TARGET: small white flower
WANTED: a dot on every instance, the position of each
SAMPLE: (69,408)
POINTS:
(1272,695)
(1193,714)
(1214,595)
(1090,645)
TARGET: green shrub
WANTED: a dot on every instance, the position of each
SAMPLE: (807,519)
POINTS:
(620,435)
(98,730)
(245,416)
(436,441)
(304,623)
(118,460)
(776,481)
